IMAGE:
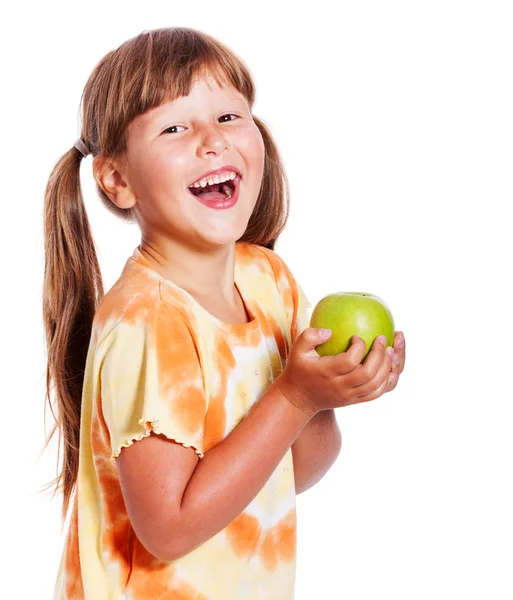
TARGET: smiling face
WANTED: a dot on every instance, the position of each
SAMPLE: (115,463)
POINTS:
(173,145)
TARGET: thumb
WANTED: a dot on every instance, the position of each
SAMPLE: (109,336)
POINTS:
(312,337)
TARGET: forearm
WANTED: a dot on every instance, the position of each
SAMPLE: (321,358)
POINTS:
(316,449)
(232,473)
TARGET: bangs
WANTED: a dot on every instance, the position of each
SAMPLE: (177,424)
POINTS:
(157,67)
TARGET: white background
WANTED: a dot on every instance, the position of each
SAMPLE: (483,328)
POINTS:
(395,124)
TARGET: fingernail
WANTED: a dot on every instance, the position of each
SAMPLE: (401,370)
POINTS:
(325,333)
(390,351)
(383,340)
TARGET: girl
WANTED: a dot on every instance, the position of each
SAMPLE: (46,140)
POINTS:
(191,402)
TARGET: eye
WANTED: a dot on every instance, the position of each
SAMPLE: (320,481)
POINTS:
(172,127)
(229,115)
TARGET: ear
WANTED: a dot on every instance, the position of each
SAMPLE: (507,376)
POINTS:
(112,179)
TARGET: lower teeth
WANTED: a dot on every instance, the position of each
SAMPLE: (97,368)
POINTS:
(228,192)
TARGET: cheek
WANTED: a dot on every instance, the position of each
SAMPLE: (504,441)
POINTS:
(254,149)
(164,171)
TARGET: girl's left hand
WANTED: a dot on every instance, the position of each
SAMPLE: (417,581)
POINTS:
(399,360)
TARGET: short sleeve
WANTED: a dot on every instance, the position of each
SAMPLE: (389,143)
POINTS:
(151,380)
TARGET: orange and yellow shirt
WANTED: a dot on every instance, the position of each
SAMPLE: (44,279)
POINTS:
(158,361)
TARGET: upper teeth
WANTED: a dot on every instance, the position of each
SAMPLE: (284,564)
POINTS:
(228,175)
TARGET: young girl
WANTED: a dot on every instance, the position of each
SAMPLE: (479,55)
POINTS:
(191,402)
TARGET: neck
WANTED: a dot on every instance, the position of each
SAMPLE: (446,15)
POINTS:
(206,275)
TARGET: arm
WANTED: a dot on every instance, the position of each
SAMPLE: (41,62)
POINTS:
(176,502)
(316,449)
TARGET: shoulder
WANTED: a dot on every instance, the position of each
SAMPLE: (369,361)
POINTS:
(266,259)
(135,303)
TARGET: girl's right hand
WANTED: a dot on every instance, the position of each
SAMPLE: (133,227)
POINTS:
(314,383)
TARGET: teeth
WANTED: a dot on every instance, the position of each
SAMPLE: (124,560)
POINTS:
(228,192)
(228,176)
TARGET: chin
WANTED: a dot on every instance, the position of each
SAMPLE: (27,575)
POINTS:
(226,237)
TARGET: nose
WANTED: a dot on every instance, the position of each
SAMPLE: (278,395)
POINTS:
(211,139)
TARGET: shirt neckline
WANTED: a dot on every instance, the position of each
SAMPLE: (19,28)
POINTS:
(232,328)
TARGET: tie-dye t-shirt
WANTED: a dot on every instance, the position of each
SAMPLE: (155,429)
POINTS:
(158,361)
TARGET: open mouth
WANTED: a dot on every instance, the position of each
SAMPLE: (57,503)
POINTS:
(216,191)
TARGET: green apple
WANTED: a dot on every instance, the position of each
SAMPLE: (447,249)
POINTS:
(352,313)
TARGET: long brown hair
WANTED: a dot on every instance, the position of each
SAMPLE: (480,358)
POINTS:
(146,71)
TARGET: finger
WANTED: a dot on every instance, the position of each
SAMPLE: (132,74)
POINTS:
(403,354)
(397,341)
(381,376)
(402,361)
(381,381)
(371,395)
(402,340)
(309,339)
(395,367)
(373,362)
(401,349)
(391,382)
(344,362)
(383,388)
(355,353)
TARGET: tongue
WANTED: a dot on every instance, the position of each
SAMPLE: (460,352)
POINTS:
(213,193)
(213,196)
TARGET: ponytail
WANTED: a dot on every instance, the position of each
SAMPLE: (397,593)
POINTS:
(72,289)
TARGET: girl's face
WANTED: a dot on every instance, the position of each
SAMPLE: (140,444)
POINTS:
(172,146)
